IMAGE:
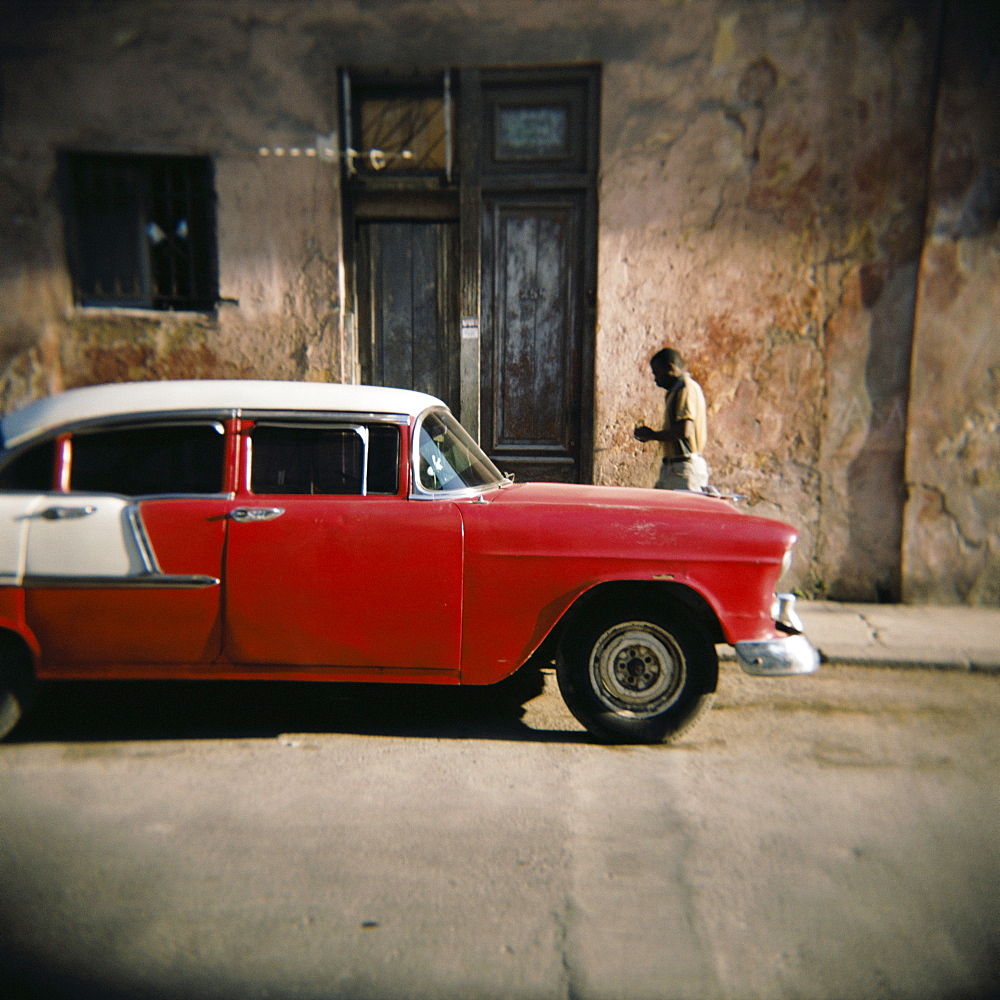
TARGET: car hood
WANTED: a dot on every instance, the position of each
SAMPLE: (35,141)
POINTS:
(612,520)
(616,497)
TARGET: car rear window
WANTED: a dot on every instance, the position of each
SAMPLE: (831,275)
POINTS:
(31,469)
(139,461)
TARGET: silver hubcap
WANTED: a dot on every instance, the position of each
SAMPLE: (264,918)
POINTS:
(637,669)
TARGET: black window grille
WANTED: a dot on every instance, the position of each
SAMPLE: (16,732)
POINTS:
(399,126)
(141,230)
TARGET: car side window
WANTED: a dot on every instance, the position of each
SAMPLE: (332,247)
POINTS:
(324,460)
(31,469)
(139,461)
(383,459)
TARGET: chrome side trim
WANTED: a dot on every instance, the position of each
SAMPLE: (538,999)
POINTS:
(140,539)
(784,657)
(141,581)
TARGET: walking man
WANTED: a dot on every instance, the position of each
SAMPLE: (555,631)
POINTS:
(685,427)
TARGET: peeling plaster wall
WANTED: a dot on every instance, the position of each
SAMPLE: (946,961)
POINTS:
(762,198)
(167,78)
(952,527)
(762,205)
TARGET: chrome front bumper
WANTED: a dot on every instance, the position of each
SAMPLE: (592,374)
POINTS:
(783,657)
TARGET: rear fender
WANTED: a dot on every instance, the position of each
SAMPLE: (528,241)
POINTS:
(12,622)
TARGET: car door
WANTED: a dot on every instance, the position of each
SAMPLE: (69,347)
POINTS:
(121,571)
(330,565)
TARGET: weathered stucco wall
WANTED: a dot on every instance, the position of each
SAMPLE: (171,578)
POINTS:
(952,536)
(763,199)
(763,190)
(148,77)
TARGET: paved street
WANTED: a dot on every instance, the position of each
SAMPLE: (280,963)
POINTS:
(829,836)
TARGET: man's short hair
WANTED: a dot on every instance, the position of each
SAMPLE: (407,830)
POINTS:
(668,356)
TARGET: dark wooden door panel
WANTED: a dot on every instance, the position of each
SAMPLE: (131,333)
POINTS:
(408,291)
(531,335)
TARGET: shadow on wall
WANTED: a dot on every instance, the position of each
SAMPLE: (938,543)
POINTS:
(876,490)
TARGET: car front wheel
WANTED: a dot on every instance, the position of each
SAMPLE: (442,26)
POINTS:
(637,676)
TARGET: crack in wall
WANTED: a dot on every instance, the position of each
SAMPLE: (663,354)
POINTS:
(954,520)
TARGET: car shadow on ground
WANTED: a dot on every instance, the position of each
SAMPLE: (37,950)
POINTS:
(96,711)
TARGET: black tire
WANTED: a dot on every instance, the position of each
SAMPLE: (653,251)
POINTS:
(17,683)
(637,675)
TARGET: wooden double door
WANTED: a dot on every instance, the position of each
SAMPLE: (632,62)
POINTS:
(482,290)
(531,382)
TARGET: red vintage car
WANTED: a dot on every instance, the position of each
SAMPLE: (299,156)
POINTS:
(277,530)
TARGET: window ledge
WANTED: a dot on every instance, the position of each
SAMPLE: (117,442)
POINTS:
(145,312)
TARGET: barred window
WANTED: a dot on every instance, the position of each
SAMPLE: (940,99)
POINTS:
(140,230)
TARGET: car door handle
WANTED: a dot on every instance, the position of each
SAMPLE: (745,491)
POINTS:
(64,513)
(248,515)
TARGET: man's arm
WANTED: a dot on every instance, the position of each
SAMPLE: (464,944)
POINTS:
(675,432)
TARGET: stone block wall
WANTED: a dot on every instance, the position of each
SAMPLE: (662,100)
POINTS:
(951,549)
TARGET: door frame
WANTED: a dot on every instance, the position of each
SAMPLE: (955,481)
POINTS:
(574,173)
(458,196)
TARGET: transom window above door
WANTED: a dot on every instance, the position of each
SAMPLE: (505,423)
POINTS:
(398,126)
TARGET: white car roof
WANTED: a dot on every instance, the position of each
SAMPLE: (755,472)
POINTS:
(99,402)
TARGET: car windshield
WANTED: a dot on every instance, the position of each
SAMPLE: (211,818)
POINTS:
(449,459)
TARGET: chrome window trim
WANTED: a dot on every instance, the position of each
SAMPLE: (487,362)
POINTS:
(146,425)
(168,418)
(143,497)
(124,421)
(83,427)
(468,493)
(142,425)
(324,416)
(173,418)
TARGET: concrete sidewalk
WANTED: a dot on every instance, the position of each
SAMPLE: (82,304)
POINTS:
(896,635)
